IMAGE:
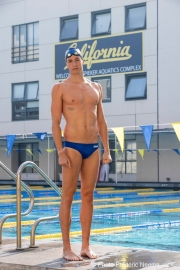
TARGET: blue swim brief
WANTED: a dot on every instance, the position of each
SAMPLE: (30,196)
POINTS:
(85,149)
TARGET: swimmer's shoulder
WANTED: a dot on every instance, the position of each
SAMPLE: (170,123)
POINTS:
(96,85)
(92,83)
(58,89)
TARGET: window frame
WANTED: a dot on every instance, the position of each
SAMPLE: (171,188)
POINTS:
(125,160)
(114,144)
(25,100)
(33,148)
(19,48)
(62,21)
(127,8)
(93,16)
(103,78)
(127,79)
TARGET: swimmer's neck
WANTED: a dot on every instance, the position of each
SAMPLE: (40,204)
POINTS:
(77,79)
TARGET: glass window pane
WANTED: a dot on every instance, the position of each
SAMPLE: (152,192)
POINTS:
(30,34)
(23,35)
(16,36)
(119,155)
(32,111)
(31,90)
(36,52)
(24,155)
(112,167)
(120,167)
(102,23)
(130,167)
(15,54)
(18,109)
(33,104)
(35,152)
(106,88)
(136,87)
(25,43)
(22,54)
(30,53)
(136,18)
(18,91)
(129,154)
(69,29)
(36,33)
(131,145)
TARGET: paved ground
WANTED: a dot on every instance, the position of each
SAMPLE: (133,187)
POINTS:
(48,256)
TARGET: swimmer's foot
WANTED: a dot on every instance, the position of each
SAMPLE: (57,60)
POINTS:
(88,252)
(69,255)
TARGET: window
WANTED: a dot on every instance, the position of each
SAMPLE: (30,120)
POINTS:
(135,17)
(69,28)
(136,87)
(101,22)
(24,152)
(126,161)
(25,45)
(25,101)
(105,83)
(122,163)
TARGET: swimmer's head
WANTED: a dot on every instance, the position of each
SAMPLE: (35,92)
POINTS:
(72,51)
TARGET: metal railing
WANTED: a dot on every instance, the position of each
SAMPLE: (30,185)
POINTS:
(31,195)
(32,235)
(18,194)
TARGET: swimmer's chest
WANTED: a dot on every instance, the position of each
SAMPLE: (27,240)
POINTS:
(81,95)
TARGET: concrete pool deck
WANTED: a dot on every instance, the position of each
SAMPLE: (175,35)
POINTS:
(48,255)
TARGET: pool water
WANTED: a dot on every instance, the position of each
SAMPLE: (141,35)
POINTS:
(152,226)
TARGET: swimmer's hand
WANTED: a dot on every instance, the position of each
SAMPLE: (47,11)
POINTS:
(106,158)
(63,159)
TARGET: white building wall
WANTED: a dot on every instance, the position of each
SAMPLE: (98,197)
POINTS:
(169,159)
(169,58)
(161,62)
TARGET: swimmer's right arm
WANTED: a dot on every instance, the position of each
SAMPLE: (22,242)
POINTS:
(56,113)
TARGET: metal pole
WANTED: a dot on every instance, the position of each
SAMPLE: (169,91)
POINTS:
(48,157)
(18,210)
(13,176)
(116,158)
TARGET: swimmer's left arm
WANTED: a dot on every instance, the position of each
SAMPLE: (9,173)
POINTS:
(103,129)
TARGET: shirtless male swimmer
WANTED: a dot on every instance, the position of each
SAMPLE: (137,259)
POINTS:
(80,102)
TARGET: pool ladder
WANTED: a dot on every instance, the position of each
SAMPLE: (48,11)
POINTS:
(18,214)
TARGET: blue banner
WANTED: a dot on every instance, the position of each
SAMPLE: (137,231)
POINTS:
(104,55)
(176,151)
(147,132)
(9,143)
(40,135)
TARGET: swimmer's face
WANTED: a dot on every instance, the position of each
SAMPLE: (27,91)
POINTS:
(75,64)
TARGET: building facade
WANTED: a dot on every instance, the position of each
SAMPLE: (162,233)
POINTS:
(131,47)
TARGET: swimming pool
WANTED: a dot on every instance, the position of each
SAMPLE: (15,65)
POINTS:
(131,218)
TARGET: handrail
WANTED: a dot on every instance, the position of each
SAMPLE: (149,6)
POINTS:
(18,191)
(33,230)
(29,191)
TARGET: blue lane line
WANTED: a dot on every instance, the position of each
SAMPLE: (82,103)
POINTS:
(127,197)
(33,211)
(159,224)
(124,214)
(142,226)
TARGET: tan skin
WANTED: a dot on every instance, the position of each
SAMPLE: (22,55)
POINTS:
(80,102)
